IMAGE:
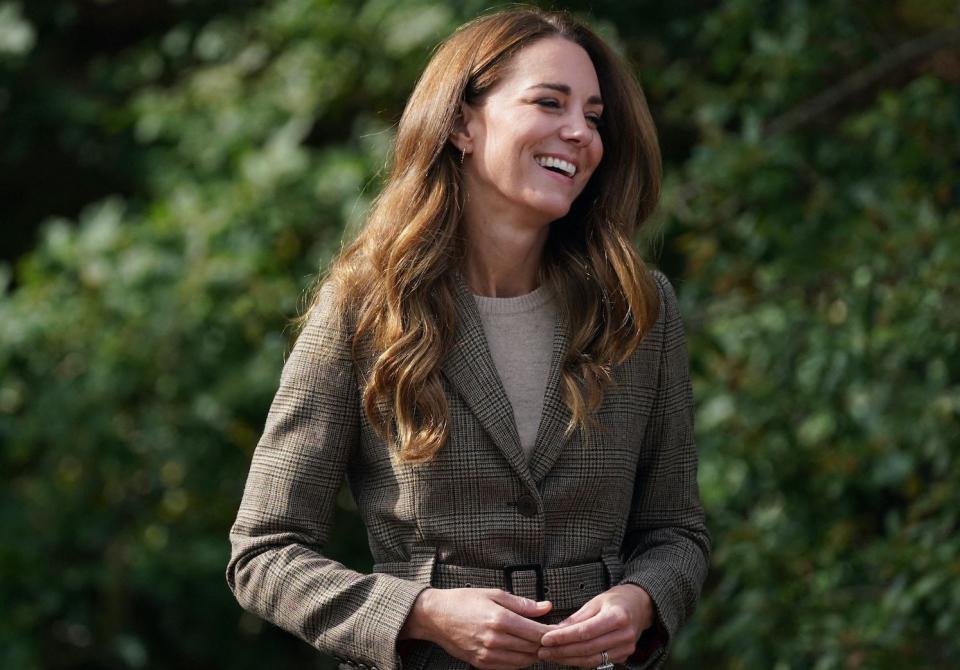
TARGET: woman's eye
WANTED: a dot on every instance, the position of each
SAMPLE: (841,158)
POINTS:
(595,120)
(548,102)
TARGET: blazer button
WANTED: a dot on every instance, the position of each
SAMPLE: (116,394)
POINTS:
(526,505)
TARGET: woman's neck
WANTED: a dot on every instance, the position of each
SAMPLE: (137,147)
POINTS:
(502,260)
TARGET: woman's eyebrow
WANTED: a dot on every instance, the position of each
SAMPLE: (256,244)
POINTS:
(563,88)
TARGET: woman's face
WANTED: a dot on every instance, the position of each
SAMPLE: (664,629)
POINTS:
(533,142)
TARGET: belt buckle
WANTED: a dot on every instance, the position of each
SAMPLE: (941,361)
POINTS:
(535,567)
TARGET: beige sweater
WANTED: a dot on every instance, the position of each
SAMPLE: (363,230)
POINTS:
(519,334)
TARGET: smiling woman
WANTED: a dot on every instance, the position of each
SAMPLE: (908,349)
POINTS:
(533,143)
(500,379)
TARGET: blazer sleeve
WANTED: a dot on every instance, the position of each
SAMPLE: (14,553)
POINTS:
(277,569)
(666,545)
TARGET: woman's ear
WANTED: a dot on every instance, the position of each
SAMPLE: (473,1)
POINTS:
(461,136)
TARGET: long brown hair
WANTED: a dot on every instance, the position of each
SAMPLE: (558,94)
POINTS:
(396,280)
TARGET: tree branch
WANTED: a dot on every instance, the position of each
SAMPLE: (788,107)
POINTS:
(903,55)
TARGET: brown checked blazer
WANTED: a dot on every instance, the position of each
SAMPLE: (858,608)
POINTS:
(621,506)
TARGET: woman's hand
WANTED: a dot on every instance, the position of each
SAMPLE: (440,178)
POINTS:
(488,628)
(610,622)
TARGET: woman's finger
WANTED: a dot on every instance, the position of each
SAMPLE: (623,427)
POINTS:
(520,605)
(589,629)
(582,614)
(615,639)
(615,655)
(513,643)
(519,625)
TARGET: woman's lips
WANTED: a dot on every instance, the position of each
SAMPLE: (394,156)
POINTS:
(562,178)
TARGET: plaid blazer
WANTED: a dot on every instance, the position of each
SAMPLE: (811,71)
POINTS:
(625,499)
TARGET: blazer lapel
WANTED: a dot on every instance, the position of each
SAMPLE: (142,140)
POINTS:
(556,415)
(470,369)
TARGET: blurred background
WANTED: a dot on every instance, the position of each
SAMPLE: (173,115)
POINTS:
(173,174)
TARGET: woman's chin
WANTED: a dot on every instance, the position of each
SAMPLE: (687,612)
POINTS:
(554,210)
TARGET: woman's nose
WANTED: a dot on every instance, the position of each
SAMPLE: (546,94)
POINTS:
(576,129)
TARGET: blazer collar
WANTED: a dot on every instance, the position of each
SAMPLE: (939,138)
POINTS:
(470,369)
(551,435)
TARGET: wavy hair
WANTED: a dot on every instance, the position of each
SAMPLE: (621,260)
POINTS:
(396,281)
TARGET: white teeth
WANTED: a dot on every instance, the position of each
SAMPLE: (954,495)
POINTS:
(549,161)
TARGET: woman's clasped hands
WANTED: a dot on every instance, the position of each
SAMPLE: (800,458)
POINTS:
(611,622)
(495,630)
(488,628)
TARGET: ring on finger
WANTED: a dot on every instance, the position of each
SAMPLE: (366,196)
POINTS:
(605,663)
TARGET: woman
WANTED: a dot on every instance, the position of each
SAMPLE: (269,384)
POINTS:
(501,381)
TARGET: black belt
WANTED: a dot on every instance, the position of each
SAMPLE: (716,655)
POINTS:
(567,587)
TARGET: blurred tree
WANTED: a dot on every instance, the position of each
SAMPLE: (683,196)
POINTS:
(67,132)
(817,224)
(195,164)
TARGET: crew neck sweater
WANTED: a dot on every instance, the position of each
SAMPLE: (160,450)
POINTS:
(519,334)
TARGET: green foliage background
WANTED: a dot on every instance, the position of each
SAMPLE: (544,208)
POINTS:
(194,164)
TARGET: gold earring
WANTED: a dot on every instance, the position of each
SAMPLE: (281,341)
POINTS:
(463,154)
